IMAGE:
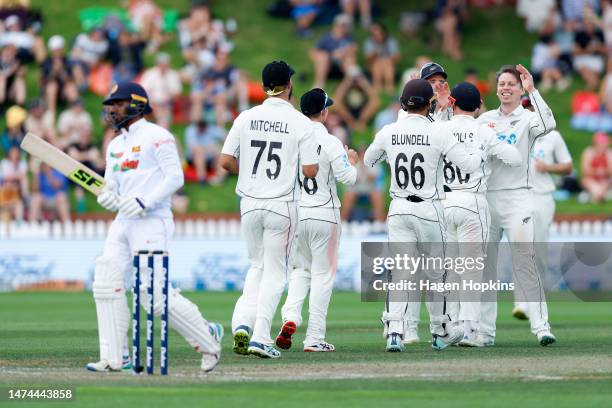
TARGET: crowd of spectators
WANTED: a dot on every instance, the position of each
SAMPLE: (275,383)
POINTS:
(110,51)
(209,90)
(575,40)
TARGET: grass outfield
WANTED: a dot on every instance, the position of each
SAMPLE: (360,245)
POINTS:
(47,338)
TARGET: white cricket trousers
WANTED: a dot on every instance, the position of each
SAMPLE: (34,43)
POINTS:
(421,222)
(315,269)
(467,225)
(543,215)
(512,213)
(269,229)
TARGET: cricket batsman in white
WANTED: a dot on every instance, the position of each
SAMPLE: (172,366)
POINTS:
(318,232)
(267,146)
(143,170)
(414,149)
(511,202)
(465,207)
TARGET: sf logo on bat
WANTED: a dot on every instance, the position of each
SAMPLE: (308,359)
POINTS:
(85,179)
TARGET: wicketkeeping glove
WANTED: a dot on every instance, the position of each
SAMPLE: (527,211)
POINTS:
(108,199)
(132,206)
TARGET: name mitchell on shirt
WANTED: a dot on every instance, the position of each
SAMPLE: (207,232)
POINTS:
(269,126)
(418,140)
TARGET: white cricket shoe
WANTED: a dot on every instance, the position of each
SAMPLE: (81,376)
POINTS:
(484,340)
(394,343)
(321,346)
(209,361)
(263,350)
(101,366)
(411,336)
(546,338)
(469,340)
(453,335)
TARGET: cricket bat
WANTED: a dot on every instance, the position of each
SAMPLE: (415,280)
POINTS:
(60,161)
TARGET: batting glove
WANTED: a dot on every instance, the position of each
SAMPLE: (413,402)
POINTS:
(108,199)
(132,206)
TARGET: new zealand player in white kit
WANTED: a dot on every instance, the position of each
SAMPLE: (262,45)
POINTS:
(549,156)
(511,201)
(143,170)
(414,149)
(267,145)
(318,232)
(465,207)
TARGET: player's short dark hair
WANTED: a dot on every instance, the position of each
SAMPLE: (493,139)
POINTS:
(509,69)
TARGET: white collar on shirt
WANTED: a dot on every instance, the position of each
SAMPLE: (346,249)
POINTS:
(519,109)
(464,117)
(414,115)
(276,101)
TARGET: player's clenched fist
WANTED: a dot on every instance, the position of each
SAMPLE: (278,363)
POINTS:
(108,199)
(132,206)
(352,155)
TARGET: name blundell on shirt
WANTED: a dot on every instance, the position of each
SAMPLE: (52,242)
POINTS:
(269,126)
(415,140)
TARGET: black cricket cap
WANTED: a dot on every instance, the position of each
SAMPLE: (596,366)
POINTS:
(315,101)
(128,91)
(275,76)
(417,93)
(466,96)
(431,68)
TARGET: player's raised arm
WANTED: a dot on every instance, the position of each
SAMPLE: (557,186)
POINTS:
(507,153)
(375,153)
(456,153)
(343,165)
(543,121)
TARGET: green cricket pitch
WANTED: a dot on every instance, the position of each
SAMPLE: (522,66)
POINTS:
(47,338)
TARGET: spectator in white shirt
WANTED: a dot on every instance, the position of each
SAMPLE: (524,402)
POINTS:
(72,123)
(30,47)
(163,85)
(90,49)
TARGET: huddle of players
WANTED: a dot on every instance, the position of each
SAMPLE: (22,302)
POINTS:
(438,186)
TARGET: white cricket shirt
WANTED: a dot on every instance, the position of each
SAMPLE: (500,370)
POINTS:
(549,149)
(414,148)
(520,128)
(319,195)
(144,163)
(476,137)
(271,141)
